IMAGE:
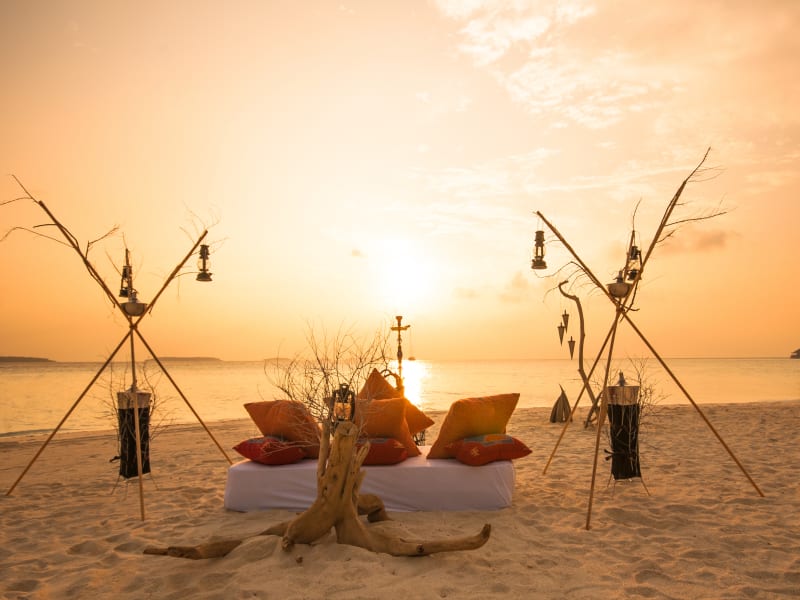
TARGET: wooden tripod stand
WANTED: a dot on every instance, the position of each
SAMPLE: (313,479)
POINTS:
(133,322)
(622,307)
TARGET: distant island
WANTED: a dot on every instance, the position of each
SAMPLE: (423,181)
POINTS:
(23,359)
(187,359)
(795,354)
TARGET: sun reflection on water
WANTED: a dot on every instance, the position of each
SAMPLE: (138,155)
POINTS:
(415,373)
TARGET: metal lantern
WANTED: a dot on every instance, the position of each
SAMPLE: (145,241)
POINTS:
(633,265)
(343,403)
(561,330)
(126,283)
(203,264)
(538,261)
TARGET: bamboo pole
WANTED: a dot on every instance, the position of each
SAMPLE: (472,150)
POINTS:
(623,306)
(180,392)
(132,326)
(69,412)
(600,419)
(584,377)
(696,406)
(136,424)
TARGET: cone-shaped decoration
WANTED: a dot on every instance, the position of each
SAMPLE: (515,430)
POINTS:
(561,329)
(565,318)
(561,411)
(571,343)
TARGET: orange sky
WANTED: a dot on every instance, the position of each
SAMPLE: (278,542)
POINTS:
(357,160)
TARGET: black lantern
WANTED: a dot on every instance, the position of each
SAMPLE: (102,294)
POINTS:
(633,264)
(203,264)
(126,284)
(538,261)
(343,404)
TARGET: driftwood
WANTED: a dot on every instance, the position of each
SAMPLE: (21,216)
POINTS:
(338,506)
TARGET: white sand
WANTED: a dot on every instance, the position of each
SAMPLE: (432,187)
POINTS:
(703,532)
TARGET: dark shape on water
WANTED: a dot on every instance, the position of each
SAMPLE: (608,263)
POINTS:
(795,354)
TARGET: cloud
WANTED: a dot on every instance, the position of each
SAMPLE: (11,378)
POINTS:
(515,290)
(466,293)
(692,238)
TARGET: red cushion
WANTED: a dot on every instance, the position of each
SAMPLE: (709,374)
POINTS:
(270,450)
(384,451)
(483,449)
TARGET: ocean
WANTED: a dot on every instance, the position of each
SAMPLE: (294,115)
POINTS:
(36,396)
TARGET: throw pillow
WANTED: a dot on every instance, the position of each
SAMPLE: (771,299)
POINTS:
(377,387)
(483,449)
(473,416)
(287,419)
(384,451)
(270,450)
(385,418)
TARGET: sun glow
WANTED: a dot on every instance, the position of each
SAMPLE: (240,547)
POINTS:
(415,373)
(405,276)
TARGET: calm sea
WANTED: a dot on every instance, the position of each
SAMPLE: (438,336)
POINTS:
(34,397)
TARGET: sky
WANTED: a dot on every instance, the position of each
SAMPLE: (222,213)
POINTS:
(353,161)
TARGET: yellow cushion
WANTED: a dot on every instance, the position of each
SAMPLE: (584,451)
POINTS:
(473,416)
(385,418)
(287,419)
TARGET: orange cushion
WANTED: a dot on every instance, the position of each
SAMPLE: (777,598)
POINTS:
(473,416)
(416,419)
(287,419)
(377,387)
(385,418)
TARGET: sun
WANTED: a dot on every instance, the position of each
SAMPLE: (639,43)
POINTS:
(405,276)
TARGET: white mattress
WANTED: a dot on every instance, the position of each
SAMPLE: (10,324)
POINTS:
(414,484)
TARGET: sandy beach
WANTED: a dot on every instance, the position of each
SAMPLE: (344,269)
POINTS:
(702,532)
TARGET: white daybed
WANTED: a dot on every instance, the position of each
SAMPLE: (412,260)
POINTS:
(414,484)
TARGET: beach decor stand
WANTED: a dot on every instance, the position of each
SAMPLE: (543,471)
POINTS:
(621,293)
(132,403)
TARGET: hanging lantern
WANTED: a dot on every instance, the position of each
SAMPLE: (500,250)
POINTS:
(633,266)
(203,264)
(538,261)
(565,319)
(571,343)
(561,329)
(126,283)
